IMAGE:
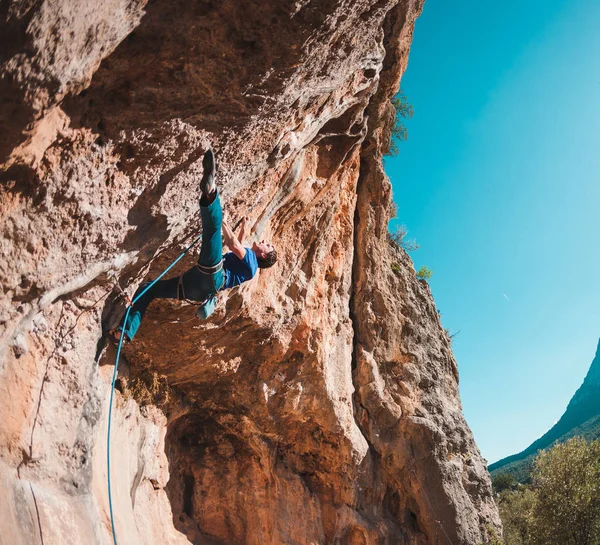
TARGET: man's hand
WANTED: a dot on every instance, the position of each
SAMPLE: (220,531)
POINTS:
(233,243)
(243,229)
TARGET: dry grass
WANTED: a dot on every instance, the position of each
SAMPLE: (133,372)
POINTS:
(150,388)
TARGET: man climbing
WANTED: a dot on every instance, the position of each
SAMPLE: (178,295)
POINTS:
(214,271)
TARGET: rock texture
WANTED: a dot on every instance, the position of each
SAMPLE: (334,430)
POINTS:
(320,404)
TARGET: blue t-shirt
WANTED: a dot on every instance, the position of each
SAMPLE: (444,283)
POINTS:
(239,270)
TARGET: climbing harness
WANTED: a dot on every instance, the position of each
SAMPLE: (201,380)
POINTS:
(210,270)
(114,378)
(204,270)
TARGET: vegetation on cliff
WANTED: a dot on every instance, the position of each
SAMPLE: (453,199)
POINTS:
(399,132)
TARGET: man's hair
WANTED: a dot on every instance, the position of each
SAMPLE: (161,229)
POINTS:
(267,261)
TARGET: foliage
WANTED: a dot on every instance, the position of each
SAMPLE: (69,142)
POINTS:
(493,540)
(398,239)
(567,506)
(563,504)
(396,267)
(492,537)
(503,481)
(520,469)
(522,464)
(399,133)
(424,273)
(516,513)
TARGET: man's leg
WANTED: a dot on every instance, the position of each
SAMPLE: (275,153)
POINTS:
(211,251)
(212,215)
(163,289)
(207,277)
(196,285)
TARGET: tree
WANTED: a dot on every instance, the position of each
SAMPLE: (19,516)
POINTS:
(424,273)
(398,238)
(516,513)
(491,537)
(504,481)
(399,133)
(567,482)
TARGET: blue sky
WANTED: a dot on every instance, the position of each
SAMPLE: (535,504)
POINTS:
(499,183)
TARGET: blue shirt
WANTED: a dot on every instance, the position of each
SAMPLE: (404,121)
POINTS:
(239,270)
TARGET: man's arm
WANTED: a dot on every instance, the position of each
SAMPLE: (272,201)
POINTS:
(233,242)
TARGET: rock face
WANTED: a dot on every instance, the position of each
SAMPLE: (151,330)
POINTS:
(320,403)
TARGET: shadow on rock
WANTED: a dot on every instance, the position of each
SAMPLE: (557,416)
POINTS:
(213,64)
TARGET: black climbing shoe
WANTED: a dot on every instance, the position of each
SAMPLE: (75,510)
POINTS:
(114,335)
(207,184)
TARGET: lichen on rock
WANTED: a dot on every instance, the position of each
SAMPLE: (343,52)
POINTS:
(320,403)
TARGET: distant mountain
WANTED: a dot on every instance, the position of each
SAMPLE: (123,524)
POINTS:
(582,417)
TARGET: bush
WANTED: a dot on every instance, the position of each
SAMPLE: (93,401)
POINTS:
(493,538)
(516,513)
(504,481)
(567,506)
(399,133)
(398,239)
(424,273)
(562,507)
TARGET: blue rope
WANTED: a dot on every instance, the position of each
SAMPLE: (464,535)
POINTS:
(112,390)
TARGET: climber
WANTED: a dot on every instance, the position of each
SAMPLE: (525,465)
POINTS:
(213,272)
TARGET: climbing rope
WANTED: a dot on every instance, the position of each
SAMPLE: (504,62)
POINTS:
(431,507)
(112,390)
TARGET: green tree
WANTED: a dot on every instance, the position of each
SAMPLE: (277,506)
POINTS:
(516,513)
(492,538)
(399,133)
(566,510)
(504,481)
(424,273)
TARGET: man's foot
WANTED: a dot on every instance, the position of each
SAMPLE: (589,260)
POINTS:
(115,336)
(207,184)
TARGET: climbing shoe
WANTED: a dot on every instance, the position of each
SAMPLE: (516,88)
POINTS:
(114,335)
(207,184)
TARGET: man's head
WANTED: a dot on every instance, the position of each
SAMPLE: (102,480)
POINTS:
(265,254)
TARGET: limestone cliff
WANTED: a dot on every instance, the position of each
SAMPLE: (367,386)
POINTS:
(320,403)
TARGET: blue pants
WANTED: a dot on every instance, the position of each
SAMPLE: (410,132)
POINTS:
(195,285)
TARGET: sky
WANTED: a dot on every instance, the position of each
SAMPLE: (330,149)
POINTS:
(499,183)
